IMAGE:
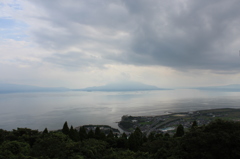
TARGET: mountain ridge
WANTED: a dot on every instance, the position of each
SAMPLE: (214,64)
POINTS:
(122,86)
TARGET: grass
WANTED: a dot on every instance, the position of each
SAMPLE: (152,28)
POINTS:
(146,123)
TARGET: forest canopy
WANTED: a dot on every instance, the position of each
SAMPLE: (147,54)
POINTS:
(219,139)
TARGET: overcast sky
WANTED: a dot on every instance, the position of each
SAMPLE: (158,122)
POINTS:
(82,43)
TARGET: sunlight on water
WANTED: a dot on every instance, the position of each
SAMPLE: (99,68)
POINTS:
(51,110)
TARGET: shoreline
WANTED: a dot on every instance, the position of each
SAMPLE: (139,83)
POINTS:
(158,123)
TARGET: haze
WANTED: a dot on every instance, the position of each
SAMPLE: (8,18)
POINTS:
(85,43)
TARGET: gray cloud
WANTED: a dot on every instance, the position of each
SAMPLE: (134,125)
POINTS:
(182,35)
(195,35)
(75,60)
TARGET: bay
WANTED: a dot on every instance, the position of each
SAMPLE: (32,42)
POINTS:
(52,109)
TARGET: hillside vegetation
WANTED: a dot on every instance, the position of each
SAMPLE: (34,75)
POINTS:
(219,139)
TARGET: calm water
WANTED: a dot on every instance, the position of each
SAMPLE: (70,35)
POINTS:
(51,110)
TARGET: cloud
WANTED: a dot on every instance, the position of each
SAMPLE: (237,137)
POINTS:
(75,22)
(180,34)
(75,60)
(186,35)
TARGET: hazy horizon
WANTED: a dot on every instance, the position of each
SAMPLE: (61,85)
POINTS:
(110,87)
(39,110)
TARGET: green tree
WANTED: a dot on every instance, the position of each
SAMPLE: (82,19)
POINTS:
(14,149)
(219,139)
(91,134)
(135,140)
(25,135)
(151,136)
(54,145)
(3,135)
(124,135)
(97,133)
(144,139)
(65,128)
(159,135)
(180,131)
(194,124)
(110,134)
(122,142)
(166,135)
(73,134)
(45,131)
(102,136)
(92,148)
(82,133)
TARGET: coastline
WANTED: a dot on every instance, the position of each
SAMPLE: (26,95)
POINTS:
(161,123)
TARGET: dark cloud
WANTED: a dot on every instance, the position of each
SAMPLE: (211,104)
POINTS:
(194,35)
(202,34)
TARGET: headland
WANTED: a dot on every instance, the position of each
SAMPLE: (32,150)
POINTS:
(169,122)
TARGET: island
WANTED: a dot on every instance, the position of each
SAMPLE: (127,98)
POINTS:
(123,86)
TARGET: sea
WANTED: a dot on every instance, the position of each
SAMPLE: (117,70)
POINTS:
(50,110)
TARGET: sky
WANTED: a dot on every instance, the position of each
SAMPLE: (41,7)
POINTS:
(84,43)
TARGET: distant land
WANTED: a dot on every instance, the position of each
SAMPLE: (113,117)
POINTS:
(111,87)
(15,88)
(225,88)
(122,86)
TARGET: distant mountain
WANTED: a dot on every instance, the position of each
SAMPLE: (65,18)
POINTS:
(14,88)
(122,86)
(225,88)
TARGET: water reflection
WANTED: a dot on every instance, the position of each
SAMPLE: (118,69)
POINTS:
(51,110)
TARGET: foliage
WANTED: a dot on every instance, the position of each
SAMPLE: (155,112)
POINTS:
(65,128)
(45,131)
(73,134)
(219,139)
(13,149)
(135,139)
(82,133)
(92,148)
(180,131)
(194,124)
